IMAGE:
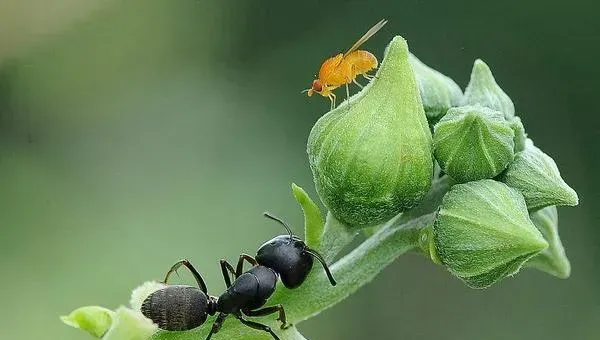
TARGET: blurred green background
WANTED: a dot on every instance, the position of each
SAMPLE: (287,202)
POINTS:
(135,133)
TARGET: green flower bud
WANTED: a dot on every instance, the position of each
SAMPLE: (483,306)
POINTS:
(438,92)
(130,325)
(123,324)
(536,176)
(520,135)
(139,294)
(92,319)
(483,233)
(371,158)
(472,143)
(553,260)
(483,90)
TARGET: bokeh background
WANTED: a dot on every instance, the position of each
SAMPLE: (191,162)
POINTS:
(134,133)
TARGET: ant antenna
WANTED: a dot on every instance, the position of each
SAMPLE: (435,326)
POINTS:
(320,259)
(275,218)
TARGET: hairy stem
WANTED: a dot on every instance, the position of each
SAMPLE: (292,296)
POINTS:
(352,271)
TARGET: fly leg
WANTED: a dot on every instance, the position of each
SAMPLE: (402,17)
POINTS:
(369,76)
(348,80)
(348,95)
(357,83)
(332,99)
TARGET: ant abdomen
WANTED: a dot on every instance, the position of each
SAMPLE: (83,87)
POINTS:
(177,307)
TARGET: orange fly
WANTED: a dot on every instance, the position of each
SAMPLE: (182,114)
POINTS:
(343,69)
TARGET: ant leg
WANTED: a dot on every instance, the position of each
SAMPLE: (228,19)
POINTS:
(216,326)
(240,265)
(270,310)
(258,326)
(225,266)
(357,83)
(189,266)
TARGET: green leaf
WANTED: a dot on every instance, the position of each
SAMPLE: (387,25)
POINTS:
(329,237)
(232,330)
(314,225)
(92,319)
(316,294)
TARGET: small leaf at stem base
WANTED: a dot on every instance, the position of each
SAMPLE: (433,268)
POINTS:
(313,219)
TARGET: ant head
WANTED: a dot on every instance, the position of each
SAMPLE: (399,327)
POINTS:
(290,257)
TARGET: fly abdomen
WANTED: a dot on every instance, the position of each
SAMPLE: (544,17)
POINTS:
(176,308)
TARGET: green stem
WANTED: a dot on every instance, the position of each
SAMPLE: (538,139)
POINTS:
(352,271)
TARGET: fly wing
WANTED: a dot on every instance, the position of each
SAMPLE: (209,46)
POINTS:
(366,36)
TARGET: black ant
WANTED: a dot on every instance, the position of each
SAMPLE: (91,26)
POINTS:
(181,307)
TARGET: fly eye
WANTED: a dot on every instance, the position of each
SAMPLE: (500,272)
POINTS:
(317,86)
